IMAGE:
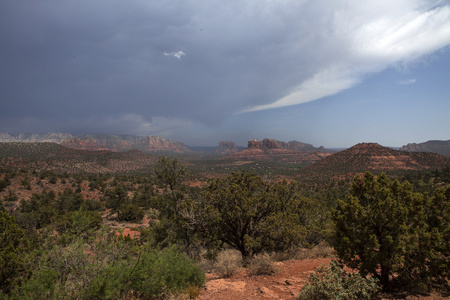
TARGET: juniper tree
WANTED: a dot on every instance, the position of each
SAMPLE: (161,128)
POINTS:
(247,214)
(13,248)
(385,228)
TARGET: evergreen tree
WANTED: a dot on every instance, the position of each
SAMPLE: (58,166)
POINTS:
(248,215)
(13,249)
(384,228)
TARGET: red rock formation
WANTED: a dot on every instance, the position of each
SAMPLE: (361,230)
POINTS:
(270,144)
(226,147)
(376,158)
(117,143)
(271,149)
(254,144)
(86,144)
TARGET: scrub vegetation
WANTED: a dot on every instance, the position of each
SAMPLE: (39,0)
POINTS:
(148,235)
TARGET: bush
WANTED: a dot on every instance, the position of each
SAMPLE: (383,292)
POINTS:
(130,213)
(385,228)
(322,250)
(77,224)
(107,268)
(262,264)
(228,263)
(153,274)
(13,248)
(334,283)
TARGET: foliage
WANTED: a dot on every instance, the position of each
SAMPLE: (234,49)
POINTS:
(130,213)
(165,270)
(79,224)
(169,176)
(13,248)
(384,228)
(151,274)
(146,198)
(171,229)
(247,214)
(427,263)
(116,198)
(334,283)
(4,183)
(105,267)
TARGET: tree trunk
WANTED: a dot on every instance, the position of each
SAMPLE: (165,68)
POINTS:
(385,271)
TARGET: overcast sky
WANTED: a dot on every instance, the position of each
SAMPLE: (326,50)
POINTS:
(331,73)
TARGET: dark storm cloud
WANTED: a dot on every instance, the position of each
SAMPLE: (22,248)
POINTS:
(117,66)
(100,58)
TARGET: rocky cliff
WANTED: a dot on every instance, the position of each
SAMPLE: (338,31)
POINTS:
(93,142)
(440,147)
(226,147)
(292,145)
(119,143)
(271,149)
(57,138)
(376,158)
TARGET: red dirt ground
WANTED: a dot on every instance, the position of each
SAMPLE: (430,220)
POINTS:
(285,284)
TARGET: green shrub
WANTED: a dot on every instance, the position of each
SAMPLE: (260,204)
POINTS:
(130,213)
(166,270)
(334,283)
(77,224)
(386,229)
(4,183)
(41,286)
(13,248)
(152,274)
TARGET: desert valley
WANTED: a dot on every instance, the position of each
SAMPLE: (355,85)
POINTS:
(62,191)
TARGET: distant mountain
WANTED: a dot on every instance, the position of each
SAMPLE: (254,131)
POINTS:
(270,149)
(57,158)
(120,143)
(96,142)
(440,147)
(35,137)
(376,158)
(226,147)
(267,144)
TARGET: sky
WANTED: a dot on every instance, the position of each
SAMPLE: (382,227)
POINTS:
(327,73)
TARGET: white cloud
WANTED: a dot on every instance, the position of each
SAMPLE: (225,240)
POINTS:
(322,84)
(368,38)
(177,54)
(408,81)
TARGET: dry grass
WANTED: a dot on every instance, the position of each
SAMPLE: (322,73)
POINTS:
(322,250)
(262,264)
(228,263)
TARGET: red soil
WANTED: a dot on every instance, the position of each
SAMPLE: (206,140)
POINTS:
(285,284)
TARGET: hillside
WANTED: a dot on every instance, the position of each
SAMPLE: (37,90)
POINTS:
(57,158)
(440,147)
(35,137)
(375,158)
(112,142)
